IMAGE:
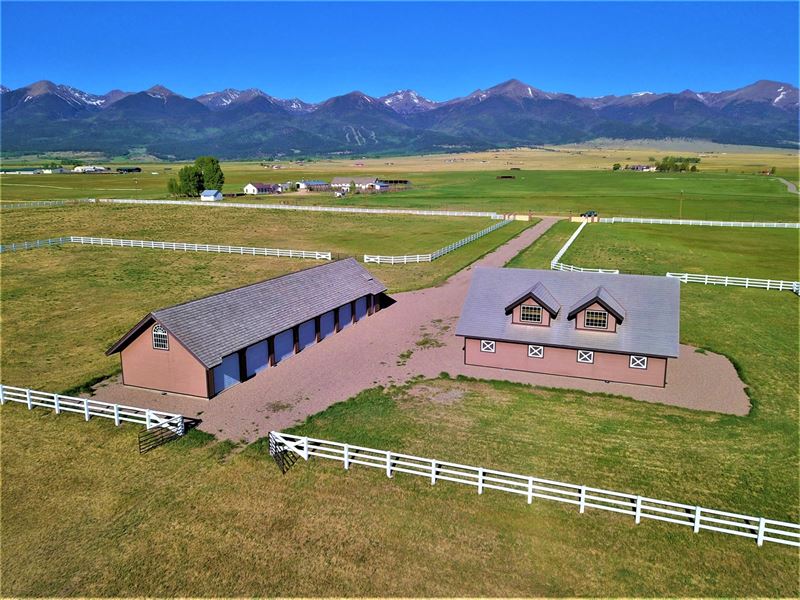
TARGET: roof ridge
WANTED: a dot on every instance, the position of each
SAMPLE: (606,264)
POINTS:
(247,285)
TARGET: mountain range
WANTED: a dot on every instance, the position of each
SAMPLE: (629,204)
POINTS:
(45,116)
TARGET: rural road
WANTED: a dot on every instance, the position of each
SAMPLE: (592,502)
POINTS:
(789,185)
(414,337)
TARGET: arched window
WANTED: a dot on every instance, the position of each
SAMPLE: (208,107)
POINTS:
(160,338)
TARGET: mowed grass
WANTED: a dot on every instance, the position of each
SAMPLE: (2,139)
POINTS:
(735,195)
(212,523)
(345,234)
(62,307)
(659,249)
(539,254)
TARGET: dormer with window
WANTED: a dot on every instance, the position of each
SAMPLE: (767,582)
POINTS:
(536,307)
(597,311)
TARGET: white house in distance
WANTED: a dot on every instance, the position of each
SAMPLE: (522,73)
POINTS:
(211,196)
(256,187)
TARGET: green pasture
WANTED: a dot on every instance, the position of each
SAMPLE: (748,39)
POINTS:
(702,195)
(659,249)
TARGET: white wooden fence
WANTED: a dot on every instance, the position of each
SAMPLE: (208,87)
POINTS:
(43,203)
(568,243)
(700,222)
(93,408)
(639,507)
(556,266)
(766,284)
(180,246)
(417,258)
(300,207)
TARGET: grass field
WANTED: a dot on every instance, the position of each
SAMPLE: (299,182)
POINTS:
(62,307)
(539,255)
(192,519)
(712,195)
(658,249)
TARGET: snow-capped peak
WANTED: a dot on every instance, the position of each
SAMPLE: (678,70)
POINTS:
(637,94)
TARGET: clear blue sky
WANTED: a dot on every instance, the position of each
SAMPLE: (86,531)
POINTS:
(314,51)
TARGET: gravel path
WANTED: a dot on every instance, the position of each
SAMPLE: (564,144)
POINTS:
(789,185)
(414,337)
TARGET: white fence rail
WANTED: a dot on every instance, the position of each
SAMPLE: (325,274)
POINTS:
(766,284)
(43,203)
(568,243)
(556,266)
(417,258)
(89,408)
(639,507)
(298,207)
(180,246)
(700,222)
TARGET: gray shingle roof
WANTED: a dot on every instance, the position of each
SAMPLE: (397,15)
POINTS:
(218,325)
(602,296)
(542,295)
(651,310)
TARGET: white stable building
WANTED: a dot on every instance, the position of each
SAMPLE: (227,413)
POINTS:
(211,196)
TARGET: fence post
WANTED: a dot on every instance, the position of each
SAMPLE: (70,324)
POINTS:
(697,519)
(433,472)
(116,415)
(147,418)
(55,402)
(638,518)
(582,503)
(389,465)
(86,408)
(530,490)
(480,481)
(2,394)
(346,457)
(28,398)
(760,538)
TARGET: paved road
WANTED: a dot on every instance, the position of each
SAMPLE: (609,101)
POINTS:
(371,353)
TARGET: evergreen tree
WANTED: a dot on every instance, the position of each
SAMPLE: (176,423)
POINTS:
(172,187)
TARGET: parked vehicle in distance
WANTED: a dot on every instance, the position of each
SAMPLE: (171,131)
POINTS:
(589,213)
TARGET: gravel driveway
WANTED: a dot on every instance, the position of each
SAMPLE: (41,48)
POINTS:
(415,337)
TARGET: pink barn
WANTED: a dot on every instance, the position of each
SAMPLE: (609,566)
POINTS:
(203,347)
(621,328)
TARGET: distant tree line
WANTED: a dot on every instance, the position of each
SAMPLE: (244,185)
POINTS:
(677,163)
(204,174)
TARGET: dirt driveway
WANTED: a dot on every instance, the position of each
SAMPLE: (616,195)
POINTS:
(414,337)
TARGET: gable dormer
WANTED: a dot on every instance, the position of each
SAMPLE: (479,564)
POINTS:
(597,311)
(536,306)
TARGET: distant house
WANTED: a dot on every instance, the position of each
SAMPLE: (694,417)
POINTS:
(203,347)
(621,328)
(89,169)
(129,169)
(313,185)
(644,168)
(211,195)
(52,170)
(362,184)
(255,188)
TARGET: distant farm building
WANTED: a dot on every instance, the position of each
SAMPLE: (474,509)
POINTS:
(203,347)
(361,184)
(89,169)
(21,171)
(621,328)
(129,169)
(255,188)
(211,195)
(313,185)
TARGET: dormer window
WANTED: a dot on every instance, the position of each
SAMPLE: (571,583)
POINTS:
(530,314)
(596,319)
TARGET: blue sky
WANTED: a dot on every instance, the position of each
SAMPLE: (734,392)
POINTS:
(314,51)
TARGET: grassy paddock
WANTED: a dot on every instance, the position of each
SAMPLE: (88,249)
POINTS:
(208,521)
(658,249)
(539,254)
